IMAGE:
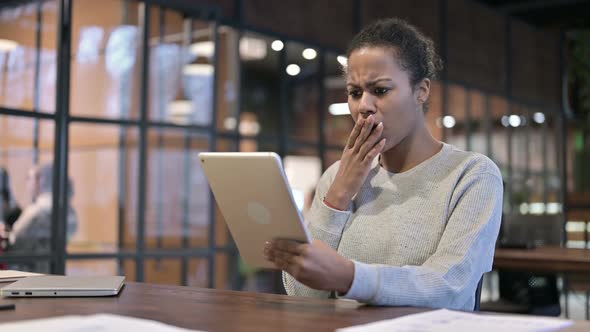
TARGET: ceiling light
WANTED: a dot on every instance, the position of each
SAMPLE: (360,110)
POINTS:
(539,117)
(252,48)
(205,49)
(293,69)
(339,109)
(309,53)
(514,120)
(230,123)
(277,45)
(449,121)
(198,70)
(179,108)
(505,121)
(342,60)
(7,45)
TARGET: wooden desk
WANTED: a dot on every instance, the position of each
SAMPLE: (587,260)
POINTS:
(544,259)
(216,310)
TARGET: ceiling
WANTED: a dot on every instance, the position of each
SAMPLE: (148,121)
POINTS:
(563,14)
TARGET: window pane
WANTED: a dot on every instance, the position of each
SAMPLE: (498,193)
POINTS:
(92,267)
(228,74)
(105,48)
(163,271)
(518,184)
(181,68)
(479,121)
(103,166)
(19,73)
(129,269)
(434,110)
(455,121)
(260,86)
(499,123)
(554,165)
(302,92)
(177,212)
(196,275)
(303,167)
(222,271)
(337,117)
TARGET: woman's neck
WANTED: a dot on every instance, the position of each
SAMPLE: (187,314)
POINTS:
(411,151)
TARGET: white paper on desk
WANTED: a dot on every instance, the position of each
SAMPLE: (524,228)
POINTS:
(12,275)
(93,323)
(456,321)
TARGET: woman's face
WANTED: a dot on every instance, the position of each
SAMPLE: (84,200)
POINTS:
(376,84)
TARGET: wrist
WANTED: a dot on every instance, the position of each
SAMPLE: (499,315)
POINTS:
(347,277)
(339,201)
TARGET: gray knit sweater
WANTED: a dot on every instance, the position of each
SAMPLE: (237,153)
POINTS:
(423,237)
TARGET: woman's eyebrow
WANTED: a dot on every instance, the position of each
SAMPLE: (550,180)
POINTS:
(373,82)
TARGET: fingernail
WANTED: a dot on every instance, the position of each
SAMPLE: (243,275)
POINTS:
(380,124)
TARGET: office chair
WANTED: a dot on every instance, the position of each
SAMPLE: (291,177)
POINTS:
(478,295)
(521,291)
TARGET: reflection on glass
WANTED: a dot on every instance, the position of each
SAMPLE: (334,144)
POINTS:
(26,189)
(24,84)
(102,164)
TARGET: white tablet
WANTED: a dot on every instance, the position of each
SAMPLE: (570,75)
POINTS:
(253,195)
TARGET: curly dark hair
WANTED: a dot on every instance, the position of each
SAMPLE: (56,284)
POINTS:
(415,51)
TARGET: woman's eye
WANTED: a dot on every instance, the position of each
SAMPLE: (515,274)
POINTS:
(381,91)
(354,93)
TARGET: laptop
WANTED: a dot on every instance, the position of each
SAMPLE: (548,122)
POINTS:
(64,286)
(255,200)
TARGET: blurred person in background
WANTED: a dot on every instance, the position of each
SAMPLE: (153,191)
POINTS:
(31,232)
(9,210)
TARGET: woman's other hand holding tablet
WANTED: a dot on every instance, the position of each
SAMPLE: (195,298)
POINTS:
(315,265)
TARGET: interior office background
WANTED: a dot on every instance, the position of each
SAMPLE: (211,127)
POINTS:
(121,95)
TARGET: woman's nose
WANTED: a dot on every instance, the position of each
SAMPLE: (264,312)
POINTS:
(367,105)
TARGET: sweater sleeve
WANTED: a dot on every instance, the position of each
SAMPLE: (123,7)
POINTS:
(465,252)
(325,224)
